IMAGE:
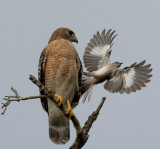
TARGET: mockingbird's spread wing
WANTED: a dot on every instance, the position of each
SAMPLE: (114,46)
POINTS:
(129,79)
(98,51)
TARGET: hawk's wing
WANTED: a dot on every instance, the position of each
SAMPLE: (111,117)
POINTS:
(129,79)
(41,77)
(78,93)
(98,51)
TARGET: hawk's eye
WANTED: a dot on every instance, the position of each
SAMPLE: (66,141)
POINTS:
(71,33)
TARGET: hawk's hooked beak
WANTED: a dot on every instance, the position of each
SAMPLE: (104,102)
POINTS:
(74,39)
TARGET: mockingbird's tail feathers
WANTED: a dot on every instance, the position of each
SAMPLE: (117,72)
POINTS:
(87,86)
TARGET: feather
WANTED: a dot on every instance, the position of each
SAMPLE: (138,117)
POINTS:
(129,79)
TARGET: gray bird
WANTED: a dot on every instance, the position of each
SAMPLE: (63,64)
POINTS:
(97,62)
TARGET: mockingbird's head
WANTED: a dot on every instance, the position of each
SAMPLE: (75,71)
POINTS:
(117,64)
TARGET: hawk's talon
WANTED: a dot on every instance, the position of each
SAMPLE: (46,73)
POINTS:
(69,110)
(59,99)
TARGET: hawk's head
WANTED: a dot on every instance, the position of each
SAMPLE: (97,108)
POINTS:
(64,33)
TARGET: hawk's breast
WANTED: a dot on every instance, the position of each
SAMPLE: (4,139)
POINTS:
(61,72)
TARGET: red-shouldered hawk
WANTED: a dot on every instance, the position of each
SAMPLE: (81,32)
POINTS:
(60,70)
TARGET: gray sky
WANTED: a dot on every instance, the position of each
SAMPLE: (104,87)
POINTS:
(126,121)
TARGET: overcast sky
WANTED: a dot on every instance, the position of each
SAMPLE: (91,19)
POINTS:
(126,121)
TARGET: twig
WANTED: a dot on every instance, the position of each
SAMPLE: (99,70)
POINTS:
(5,106)
(17,98)
(15,92)
(14,98)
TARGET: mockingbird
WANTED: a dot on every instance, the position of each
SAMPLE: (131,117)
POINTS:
(97,62)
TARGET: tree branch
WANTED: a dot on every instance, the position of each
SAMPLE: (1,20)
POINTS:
(18,98)
(82,137)
(82,133)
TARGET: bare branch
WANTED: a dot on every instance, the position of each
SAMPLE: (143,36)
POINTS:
(20,98)
(5,106)
(15,92)
(82,137)
(93,117)
(17,98)
(82,133)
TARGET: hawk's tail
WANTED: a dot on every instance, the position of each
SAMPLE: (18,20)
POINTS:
(59,131)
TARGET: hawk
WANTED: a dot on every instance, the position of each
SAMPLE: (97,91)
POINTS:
(60,70)
(97,61)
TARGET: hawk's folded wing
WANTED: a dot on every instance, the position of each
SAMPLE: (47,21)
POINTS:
(41,77)
(78,93)
(129,79)
(98,51)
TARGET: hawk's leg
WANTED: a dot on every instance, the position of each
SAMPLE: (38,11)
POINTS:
(59,99)
(69,110)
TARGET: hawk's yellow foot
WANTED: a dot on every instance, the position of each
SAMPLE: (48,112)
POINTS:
(69,110)
(59,99)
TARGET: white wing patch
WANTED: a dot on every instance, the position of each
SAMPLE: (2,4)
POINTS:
(100,51)
(129,78)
